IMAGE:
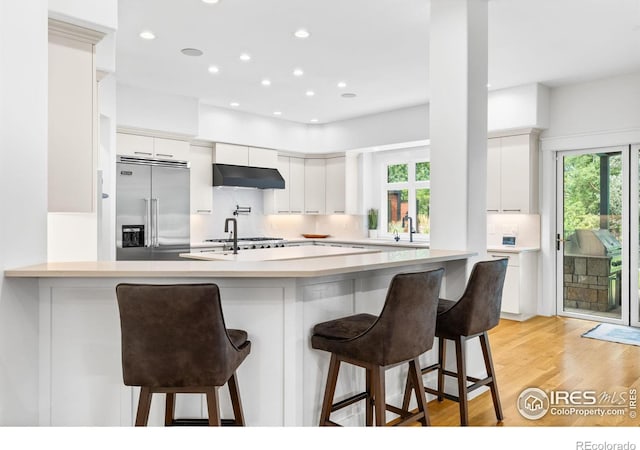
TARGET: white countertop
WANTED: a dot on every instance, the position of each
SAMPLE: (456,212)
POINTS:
(308,267)
(279,254)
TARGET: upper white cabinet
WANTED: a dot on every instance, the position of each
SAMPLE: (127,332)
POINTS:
(262,157)
(201,180)
(151,147)
(335,185)
(72,139)
(240,155)
(512,174)
(314,186)
(237,155)
(296,185)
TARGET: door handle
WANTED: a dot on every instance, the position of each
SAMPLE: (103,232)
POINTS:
(155,227)
(558,240)
(147,222)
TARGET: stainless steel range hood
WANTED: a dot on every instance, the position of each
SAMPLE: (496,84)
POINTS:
(247,176)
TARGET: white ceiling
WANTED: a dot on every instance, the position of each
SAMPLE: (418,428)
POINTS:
(379,47)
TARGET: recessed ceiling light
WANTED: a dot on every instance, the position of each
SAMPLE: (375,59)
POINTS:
(211,2)
(234,104)
(310,93)
(313,120)
(342,85)
(191,52)
(348,95)
(148,35)
(298,72)
(214,69)
(302,33)
(245,57)
(277,113)
(266,82)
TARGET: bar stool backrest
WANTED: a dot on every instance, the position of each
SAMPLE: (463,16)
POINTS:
(405,328)
(478,310)
(174,336)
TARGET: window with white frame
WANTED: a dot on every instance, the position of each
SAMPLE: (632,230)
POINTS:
(407,192)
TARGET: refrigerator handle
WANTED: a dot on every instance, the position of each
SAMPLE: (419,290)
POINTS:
(147,222)
(156,242)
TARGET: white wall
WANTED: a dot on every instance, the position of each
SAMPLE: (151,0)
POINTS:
(236,127)
(402,125)
(23,200)
(518,107)
(101,15)
(152,110)
(597,113)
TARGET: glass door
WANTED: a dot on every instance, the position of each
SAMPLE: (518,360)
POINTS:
(634,258)
(593,239)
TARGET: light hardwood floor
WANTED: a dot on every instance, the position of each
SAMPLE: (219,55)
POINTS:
(549,353)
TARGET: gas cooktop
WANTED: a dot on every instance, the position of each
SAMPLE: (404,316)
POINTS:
(252,239)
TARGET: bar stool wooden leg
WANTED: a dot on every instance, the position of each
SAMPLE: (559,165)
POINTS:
(462,380)
(408,387)
(380,396)
(369,402)
(169,411)
(213,406)
(488,362)
(144,404)
(416,380)
(235,400)
(442,354)
(332,380)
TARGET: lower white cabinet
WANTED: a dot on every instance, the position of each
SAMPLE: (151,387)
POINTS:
(519,295)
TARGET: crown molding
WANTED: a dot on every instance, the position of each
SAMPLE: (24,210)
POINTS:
(65,29)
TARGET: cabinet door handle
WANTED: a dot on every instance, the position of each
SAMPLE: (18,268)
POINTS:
(142,153)
(282,212)
(339,212)
(203,210)
(492,210)
(512,210)
(312,212)
(165,155)
(296,212)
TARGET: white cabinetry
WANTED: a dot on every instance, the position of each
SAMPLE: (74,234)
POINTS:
(237,155)
(296,185)
(335,185)
(314,186)
(201,183)
(512,174)
(289,200)
(240,155)
(151,147)
(72,140)
(519,295)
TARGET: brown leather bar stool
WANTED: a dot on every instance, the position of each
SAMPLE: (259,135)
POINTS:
(403,331)
(174,340)
(476,312)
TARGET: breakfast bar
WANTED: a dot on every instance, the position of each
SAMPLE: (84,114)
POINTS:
(277,301)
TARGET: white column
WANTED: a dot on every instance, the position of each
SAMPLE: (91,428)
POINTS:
(23,200)
(458,124)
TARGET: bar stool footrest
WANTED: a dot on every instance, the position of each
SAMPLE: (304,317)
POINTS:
(201,423)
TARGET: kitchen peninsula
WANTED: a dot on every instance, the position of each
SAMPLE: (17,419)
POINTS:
(276,301)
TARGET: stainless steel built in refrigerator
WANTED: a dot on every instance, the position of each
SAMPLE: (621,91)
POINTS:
(152,209)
